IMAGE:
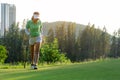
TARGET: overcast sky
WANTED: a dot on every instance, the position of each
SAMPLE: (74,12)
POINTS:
(99,12)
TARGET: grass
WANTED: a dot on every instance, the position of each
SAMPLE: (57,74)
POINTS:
(94,70)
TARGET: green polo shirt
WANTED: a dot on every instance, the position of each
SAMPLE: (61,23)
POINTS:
(35,28)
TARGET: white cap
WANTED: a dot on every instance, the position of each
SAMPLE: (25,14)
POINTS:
(36,16)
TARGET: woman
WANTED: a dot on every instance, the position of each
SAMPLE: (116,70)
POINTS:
(34,29)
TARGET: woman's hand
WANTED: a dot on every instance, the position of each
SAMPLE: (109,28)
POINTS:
(27,32)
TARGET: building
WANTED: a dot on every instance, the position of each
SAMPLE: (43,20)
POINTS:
(7,16)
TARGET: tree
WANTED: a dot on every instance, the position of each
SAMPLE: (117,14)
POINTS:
(78,46)
(70,41)
(85,43)
(13,43)
(115,45)
(118,44)
(3,54)
(105,43)
(113,49)
(94,43)
(60,34)
(50,36)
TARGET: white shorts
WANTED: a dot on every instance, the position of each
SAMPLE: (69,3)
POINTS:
(33,40)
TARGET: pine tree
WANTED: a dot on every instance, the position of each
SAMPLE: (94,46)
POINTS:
(113,49)
(50,36)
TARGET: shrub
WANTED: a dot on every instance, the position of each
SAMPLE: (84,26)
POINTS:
(50,53)
(3,54)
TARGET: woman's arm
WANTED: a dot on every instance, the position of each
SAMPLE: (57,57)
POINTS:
(27,32)
(27,28)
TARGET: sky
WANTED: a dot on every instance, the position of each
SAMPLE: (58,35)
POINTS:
(99,12)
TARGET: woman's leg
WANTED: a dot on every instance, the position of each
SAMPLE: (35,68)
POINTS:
(37,48)
(32,53)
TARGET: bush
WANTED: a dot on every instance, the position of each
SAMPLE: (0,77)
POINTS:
(50,53)
(3,54)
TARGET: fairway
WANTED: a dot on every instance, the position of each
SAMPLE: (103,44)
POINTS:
(98,70)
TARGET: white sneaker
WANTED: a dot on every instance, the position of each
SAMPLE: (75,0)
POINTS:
(32,66)
(35,67)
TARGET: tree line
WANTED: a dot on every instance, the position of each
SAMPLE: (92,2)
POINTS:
(91,43)
(62,43)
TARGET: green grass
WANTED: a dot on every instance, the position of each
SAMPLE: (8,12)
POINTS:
(94,70)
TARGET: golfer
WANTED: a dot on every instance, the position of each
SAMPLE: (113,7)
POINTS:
(34,29)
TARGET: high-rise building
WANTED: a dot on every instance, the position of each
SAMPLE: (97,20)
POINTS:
(8,16)
(0,20)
